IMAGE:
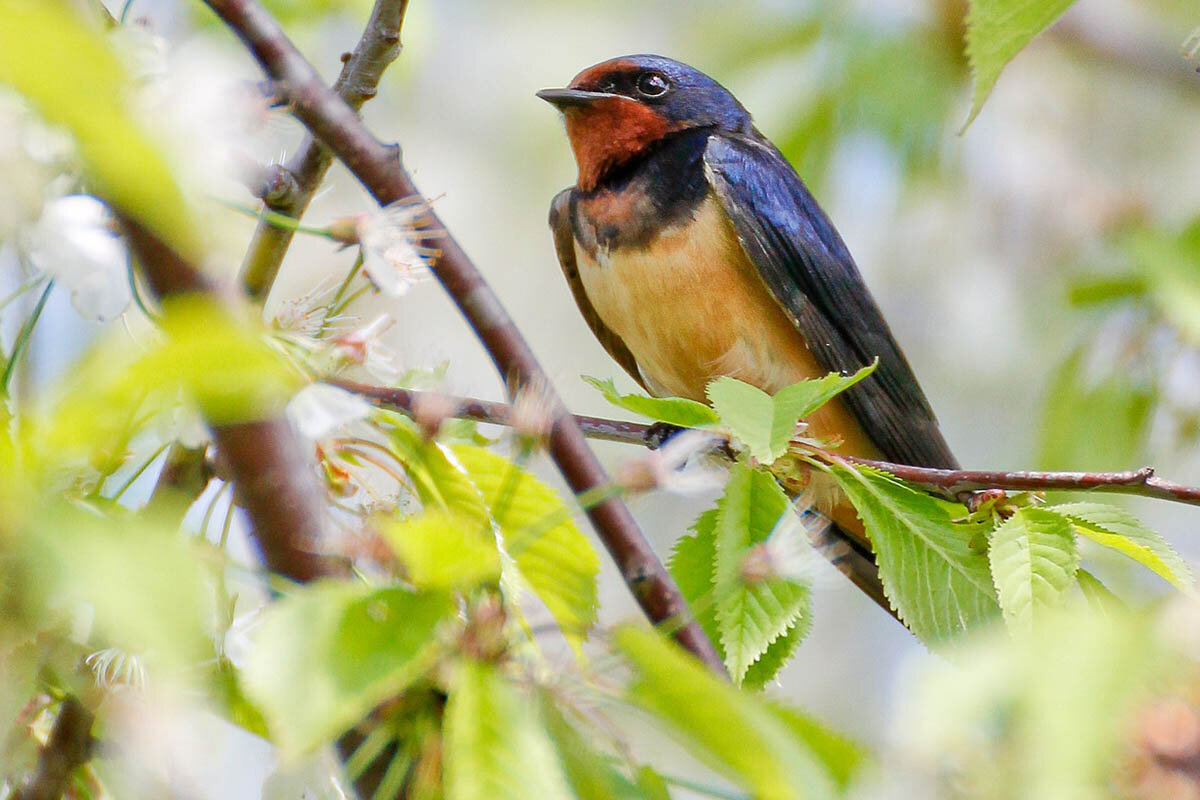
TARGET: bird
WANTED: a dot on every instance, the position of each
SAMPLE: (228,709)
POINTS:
(694,251)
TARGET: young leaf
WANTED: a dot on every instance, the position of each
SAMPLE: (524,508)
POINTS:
(1119,530)
(495,746)
(1098,596)
(329,653)
(940,586)
(750,617)
(443,551)
(693,564)
(674,410)
(88,98)
(591,775)
(766,424)
(1034,557)
(739,733)
(996,31)
(553,556)
(841,757)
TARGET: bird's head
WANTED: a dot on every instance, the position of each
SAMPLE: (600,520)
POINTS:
(620,109)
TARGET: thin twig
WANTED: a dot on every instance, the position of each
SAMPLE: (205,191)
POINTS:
(378,167)
(288,189)
(950,483)
(67,749)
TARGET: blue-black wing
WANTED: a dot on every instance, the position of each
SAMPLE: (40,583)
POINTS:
(804,262)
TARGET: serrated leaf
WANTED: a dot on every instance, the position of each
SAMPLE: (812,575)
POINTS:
(1033,556)
(842,757)
(692,564)
(765,423)
(674,410)
(750,617)
(537,530)
(1119,530)
(996,31)
(444,551)
(88,97)
(440,482)
(1098,596)
(778,653)
(739,733)
(329,653)
(495,746)
(939,585)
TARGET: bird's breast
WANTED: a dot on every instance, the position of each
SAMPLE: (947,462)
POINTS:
(690,306)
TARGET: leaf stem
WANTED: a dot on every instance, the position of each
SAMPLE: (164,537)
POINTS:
(22,342)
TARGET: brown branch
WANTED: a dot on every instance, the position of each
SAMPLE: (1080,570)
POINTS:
(950,483)
(272,478)
(288,189)
(68,748)
(850,557)
(378,167)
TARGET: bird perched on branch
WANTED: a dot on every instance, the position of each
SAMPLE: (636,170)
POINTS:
(695,251)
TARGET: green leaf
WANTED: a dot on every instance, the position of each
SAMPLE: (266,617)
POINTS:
(329,653)
(1093,423)
(939,585)
(996,31)
(495,746)
(766,424)
(751,617)
(554,558)
(592,776)
(1034,557)
(693,564)
(841,757)
(740,734)
(1119,530)
(89,97)
(143,584)
(1167,261)
(674,410)
(444,551)
(1098,596)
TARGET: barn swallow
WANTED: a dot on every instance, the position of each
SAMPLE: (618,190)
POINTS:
(695,251)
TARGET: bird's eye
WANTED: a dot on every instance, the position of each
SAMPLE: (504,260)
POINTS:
(652,84)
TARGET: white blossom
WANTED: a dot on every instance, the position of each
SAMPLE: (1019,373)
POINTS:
(787,552)
(74,243)
(364,347)
(394,256)
(117,669)
(318,409)
(683,465)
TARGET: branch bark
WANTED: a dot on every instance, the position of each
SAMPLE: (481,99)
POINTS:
(379,169)
(288,189)
(67,749)
(950,483)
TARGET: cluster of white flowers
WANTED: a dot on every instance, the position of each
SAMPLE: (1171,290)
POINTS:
(394,253)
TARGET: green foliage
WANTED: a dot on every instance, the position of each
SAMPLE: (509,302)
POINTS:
(496,747)
(591,775)
(1093,424)
(1042,717)
(442,551)
(938,583)
(674,410)
(1119,530)
(999,29)
(329,652)
(1166,262)
(86,95)
(1034,558)
(553,557)
(842,757)
(143,585)
(766,423)
(752,616)
(739,734)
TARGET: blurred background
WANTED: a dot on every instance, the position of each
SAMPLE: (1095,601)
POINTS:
(1036,268)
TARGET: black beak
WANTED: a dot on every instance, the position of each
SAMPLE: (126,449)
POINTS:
(570,98)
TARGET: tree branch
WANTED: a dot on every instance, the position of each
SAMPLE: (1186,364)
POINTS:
(67,749)
(378,167)
(288,189)
(950,483)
